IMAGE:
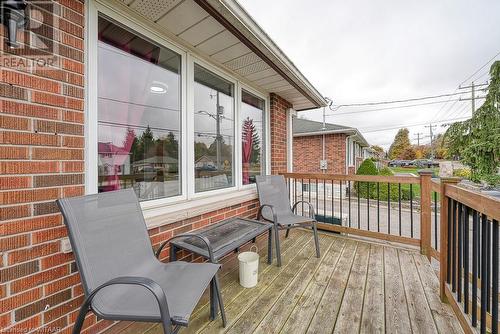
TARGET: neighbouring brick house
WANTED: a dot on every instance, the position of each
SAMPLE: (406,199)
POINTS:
(95,91)
(344,147)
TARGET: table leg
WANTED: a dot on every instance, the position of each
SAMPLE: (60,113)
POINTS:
(270,247)
(213,301)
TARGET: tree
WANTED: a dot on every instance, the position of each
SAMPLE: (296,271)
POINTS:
(400,144)
(477,140)
(408,154)
(378,150)
(438,146)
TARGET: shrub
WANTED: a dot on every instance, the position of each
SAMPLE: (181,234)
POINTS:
(464,173)
(492,179)
(367,167)
(383,192)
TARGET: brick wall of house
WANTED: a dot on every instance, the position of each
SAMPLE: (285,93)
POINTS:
(278,110)
(42,159)
(307,153)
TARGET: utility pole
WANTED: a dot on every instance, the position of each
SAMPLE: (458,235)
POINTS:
(431,127)
(418,138)
(220,113)
(473,97)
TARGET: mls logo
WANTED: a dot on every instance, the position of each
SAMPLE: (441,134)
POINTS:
(29,29)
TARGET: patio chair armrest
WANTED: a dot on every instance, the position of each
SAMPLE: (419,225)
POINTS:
(145,282)
(275,216)
(189,235)
(312,212)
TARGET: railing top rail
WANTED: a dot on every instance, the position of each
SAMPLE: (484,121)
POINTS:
(362,178)
(436,185)
(483,203)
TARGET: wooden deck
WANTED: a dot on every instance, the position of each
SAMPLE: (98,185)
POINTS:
(355,286)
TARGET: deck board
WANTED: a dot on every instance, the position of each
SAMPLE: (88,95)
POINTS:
(373,306)
(349,318)
(355,286)
(397,318)
(418,307)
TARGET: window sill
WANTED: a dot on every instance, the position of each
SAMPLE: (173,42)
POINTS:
(174,212)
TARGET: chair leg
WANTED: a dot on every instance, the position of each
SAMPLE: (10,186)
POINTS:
(287,232)
(219,298)
(81,318)
(277,242)
(172,254)
(270,247)
(316,240)
(213,301)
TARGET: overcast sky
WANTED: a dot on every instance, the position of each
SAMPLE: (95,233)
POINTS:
(366,50)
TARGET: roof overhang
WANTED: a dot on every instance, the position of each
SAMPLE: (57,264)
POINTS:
(223,32)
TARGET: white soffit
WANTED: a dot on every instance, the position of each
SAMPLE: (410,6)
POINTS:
(191,23)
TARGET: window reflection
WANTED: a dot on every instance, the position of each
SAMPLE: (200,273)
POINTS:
(252,136)
(213,131)
(138,114)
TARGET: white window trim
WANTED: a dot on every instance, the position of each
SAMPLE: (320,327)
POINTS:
(192,60)
(267,132)
(162,210)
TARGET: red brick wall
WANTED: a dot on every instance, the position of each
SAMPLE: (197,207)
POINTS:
(278,110)
(41,159)
(307,153)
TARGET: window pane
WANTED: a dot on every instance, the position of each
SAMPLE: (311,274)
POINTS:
(252,136)
(213,131)
(138,114)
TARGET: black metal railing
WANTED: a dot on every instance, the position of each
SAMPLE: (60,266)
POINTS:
(473,263)
(385,205)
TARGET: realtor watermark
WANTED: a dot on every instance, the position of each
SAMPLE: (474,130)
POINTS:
(29,34)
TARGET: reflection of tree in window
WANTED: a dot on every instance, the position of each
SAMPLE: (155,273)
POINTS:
(253,137)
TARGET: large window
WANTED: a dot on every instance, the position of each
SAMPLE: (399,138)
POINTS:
(213,131)
(252,137)
(161,141)
(139,114)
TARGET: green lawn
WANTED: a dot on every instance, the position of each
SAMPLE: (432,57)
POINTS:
(410,170)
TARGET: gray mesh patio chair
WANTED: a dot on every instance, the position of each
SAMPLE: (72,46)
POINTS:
(275,207)
(121,277)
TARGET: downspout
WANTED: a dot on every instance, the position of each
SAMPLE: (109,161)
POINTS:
(290,113)
(323,157)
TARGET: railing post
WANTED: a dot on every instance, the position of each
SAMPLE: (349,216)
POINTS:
(443,236)
(425,212)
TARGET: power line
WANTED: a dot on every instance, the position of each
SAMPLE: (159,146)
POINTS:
(395,101)
(388,108)
(368,130)
(469,77)
(485,64)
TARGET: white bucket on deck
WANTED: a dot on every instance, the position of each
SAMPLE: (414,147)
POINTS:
(249,268)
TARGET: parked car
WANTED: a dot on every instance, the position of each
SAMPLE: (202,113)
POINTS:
(396,163)
(424,163)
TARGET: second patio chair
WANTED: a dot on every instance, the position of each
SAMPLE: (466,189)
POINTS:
(121,277)
(275,207)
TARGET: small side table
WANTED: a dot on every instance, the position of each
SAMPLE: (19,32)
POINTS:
(225,237)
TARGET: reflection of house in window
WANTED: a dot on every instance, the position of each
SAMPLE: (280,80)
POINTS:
(156,164)
(209,163)
(107,160)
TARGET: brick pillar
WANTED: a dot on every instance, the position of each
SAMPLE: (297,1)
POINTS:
(278,110)
(41,159)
